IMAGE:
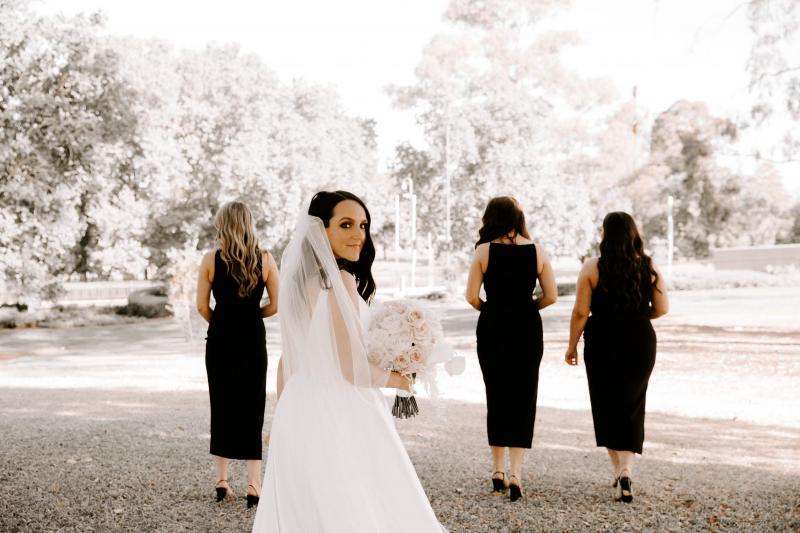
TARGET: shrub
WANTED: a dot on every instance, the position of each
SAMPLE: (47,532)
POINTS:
(147,303)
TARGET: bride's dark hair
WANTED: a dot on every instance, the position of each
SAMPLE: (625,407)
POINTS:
(625,270)
(321,206)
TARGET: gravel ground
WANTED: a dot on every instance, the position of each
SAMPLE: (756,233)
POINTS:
(93,460)
(106,429)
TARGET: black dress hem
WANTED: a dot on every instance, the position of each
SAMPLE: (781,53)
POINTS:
(237,456)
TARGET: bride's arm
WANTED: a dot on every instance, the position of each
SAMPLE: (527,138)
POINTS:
(377,376)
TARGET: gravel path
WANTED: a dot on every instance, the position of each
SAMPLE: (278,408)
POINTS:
(77,460)
(106,429)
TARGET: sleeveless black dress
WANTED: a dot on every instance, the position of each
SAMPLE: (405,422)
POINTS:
(236,365)
(510,344)
(619,353)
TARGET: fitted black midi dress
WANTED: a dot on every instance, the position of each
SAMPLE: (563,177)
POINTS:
(619,353)
(236,365)
(510,344)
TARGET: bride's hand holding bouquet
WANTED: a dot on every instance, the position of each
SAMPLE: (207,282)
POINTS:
(408,340)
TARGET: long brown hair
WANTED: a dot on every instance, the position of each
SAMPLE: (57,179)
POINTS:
(624,268)
(503,216)
(238,245)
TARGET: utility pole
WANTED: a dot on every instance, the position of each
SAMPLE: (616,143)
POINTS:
(413,233)
(447,236)
(408,184)
(670,236)
(397,238)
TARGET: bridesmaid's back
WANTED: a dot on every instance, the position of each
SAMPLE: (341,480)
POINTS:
(226,288)
(610,301)
(511,273)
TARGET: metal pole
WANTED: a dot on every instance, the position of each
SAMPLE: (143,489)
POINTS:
(413,199)
(413,238)
(670,236)
(396,222)
(634,132)
(447,236)
(430,260)
(397,237)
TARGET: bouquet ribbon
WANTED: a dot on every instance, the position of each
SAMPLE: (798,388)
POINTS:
(405,405)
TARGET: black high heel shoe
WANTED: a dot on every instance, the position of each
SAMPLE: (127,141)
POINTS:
(514,489)
(252,499)
(499,484)
(625,492)
(222,492)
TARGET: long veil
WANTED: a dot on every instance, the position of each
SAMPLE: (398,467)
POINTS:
(321,329)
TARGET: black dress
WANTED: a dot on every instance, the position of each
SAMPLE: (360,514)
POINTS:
(236,364)
(510,344)
(619,353)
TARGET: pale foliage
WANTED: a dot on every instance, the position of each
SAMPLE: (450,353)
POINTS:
(774,69)
(714,206)
(498,106)
(66,140)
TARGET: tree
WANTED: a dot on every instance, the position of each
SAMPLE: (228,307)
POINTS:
(410,163)
(622,147)
(774,69)
(504,116)
(791,235)
(218,125)
(714,206)
(116,153)
(762,210)
(65,137)
(683,142)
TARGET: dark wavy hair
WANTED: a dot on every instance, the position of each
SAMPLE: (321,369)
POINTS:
(321,206)
(625,270)
(503,216)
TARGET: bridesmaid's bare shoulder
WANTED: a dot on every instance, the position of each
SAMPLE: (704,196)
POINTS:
(589,269)
(208,258)
(207,263)
(482,251)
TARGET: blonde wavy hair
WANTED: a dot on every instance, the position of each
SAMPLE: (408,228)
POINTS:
(238,245)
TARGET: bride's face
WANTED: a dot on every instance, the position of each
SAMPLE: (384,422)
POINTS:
(347,230)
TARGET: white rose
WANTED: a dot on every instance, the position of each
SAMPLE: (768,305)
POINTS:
(416,318)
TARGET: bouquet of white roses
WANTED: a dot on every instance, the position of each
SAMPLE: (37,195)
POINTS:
(405,338)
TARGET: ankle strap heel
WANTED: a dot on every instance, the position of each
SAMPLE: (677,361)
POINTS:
(499,484)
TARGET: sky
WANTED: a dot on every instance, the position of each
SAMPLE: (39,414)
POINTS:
(669,49)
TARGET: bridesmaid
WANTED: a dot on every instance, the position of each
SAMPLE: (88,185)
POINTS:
(508,263)
(237,271)
(623,290)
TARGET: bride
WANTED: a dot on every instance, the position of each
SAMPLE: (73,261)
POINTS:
(336,462)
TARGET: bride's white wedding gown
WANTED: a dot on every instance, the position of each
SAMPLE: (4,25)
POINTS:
(329,476)
(335,461)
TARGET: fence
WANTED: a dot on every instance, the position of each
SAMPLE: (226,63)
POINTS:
(94,292)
